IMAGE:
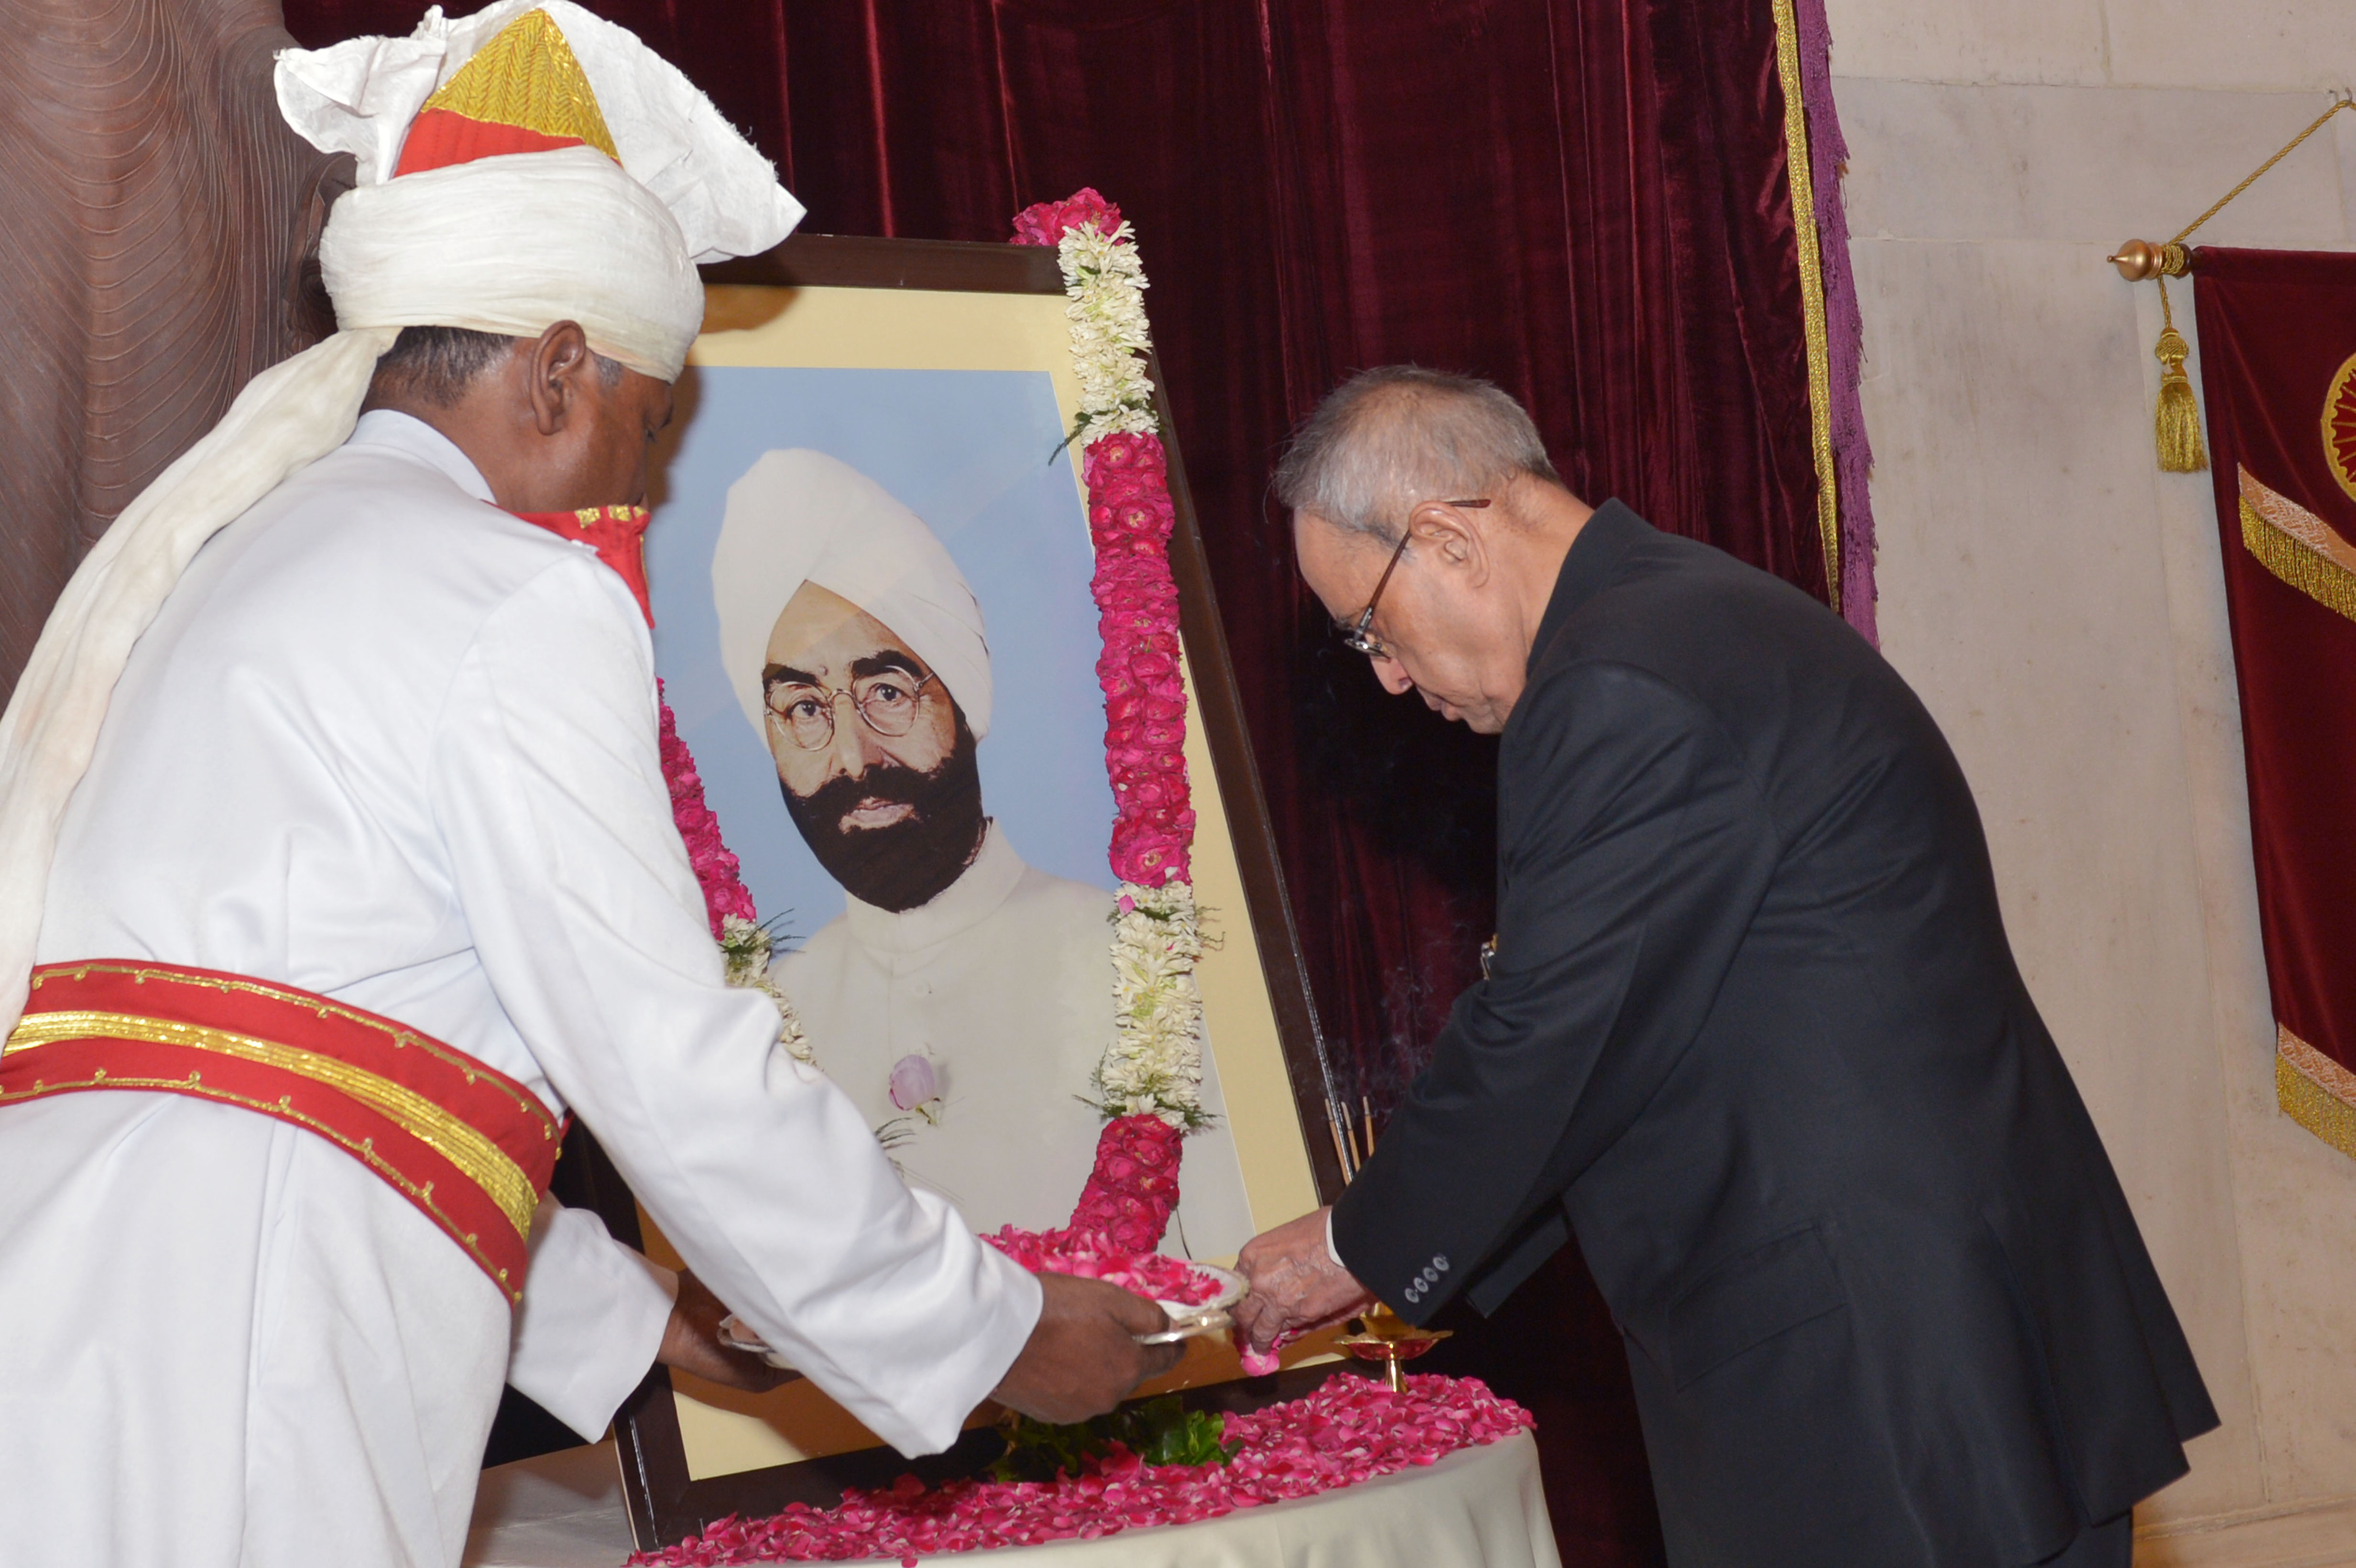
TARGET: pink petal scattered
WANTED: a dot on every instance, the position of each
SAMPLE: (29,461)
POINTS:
(913,1081)
(1349,1429)
(1149,1274)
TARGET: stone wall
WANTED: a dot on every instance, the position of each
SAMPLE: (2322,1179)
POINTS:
(2057,601)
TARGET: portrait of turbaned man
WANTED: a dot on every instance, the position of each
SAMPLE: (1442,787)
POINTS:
(903,746)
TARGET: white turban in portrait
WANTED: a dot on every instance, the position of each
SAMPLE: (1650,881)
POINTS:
(802,517)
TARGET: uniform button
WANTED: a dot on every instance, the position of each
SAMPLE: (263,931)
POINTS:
(1431,1276)
(1441,1263)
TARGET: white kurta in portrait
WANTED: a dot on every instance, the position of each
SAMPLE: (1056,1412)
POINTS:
(1003,981)
(390,744)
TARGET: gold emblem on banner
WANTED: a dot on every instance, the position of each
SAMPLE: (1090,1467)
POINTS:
(2340,425)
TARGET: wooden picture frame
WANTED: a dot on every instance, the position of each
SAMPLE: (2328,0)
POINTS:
(667,1500)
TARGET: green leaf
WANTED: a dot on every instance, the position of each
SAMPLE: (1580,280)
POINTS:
(1159,1432)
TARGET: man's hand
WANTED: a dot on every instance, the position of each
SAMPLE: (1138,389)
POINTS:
(1083,1356)
(1296,1286)
(691,1343)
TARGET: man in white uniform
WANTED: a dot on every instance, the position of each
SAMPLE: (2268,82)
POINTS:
(857,651)
(348,863)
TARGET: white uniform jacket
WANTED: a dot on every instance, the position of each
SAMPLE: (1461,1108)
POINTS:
(389,743)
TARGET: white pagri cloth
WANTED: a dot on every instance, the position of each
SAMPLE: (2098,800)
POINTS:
(387,743)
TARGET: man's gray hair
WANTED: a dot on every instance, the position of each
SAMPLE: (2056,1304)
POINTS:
(1389,439)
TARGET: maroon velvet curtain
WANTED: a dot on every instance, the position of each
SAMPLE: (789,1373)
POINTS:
(1584,200)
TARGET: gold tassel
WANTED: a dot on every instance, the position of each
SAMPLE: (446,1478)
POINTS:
(2176,426)
(2177,423)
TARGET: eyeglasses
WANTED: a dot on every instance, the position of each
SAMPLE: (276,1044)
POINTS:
(885,703)
(1354,637)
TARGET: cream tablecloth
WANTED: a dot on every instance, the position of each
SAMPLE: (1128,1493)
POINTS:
(1479,1508)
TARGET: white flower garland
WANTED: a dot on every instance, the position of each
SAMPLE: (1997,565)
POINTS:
(745,949)
(1105,284)
(1153,1064)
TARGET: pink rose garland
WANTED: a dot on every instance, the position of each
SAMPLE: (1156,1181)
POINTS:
(1043,224)
(1130,519)
(1126,1205)
(716,869)
(1134,1187)
(1130,1193)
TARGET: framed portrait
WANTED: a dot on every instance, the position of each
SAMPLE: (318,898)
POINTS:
(869,493)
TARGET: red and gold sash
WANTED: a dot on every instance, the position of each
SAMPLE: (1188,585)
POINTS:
(469,1146)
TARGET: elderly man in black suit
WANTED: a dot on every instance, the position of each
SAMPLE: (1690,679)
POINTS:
(1751,1032)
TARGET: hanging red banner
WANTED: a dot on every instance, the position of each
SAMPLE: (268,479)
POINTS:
(2279,383)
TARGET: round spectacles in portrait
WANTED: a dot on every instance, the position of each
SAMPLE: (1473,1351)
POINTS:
(885,703)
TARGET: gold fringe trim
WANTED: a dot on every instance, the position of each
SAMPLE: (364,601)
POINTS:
(2315,1090)
(1812,293)
(2297,547)
(528,77)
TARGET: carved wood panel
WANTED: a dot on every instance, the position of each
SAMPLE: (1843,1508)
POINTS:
(155,216)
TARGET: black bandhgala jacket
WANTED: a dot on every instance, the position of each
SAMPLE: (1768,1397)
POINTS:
(1754,1033)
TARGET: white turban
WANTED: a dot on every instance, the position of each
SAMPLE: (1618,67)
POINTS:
(515,244)
(802,517)
(505,245)
(509,245)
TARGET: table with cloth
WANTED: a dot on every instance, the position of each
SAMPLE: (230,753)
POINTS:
(1480,1508)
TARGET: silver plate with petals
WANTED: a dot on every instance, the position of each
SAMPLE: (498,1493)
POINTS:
(1202,1317)
(1186,1321)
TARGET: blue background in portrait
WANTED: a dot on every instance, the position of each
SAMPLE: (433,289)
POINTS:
(968,452)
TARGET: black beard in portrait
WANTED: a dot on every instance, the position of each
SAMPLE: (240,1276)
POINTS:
(908,862)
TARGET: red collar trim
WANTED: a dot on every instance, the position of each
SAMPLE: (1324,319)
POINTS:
(618,535)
